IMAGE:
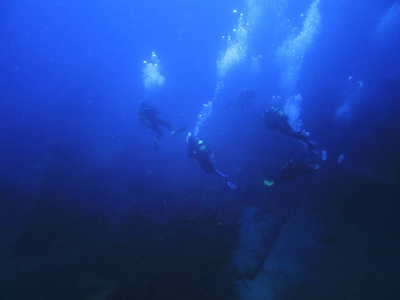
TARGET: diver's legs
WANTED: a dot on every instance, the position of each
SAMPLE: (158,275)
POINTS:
(158,137)
(207,166)
(285,128)
(300,135)
(227,179)
(158,131)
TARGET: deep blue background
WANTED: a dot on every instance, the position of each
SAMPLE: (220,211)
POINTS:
(71,79)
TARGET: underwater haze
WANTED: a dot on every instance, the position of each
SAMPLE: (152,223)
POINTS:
(243,149)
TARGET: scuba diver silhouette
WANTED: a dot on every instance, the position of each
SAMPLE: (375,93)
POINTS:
(292,169)
(149,117)
(199,151)
(276,119)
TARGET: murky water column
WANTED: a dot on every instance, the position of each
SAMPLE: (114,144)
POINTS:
(261,226)
(291,53)
(289,57)
(234,53)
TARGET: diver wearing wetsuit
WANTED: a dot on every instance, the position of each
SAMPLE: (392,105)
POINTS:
(148,116)
(276,119)
(292,169)
(199,151)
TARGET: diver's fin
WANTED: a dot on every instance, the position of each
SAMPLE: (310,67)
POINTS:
(269,182)
(231,185)
(227,179)
(311,145)
(182,129)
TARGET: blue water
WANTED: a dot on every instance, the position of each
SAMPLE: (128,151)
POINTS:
(90,210)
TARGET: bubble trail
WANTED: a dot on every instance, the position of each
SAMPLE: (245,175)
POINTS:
(235,53)
(152,78)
